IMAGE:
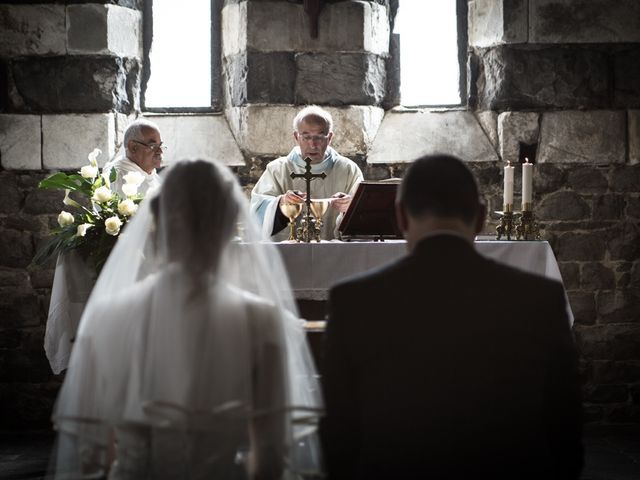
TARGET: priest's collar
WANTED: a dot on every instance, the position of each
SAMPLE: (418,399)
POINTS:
(327,162)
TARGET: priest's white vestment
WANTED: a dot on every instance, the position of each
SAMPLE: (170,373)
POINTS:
(343,175)
(123,166)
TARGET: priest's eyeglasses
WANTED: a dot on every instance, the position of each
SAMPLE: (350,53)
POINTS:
(153,146)
(314,138)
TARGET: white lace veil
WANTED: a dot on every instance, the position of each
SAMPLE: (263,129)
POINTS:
(190,359)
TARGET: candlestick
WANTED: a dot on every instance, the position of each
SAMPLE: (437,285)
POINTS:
(527,184)
(508,186)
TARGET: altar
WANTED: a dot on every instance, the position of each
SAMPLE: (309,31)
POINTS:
(312,268)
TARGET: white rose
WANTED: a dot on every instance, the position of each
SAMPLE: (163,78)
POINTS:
(101,195)
(93,155)
(135,178)
(127,208)
(129,189)
(65,219)
(112,225)
(89,171)
(82,229)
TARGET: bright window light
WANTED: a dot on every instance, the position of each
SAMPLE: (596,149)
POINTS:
(429,69)
(180,55)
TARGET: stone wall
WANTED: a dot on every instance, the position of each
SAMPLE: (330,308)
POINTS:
(554,80)
(560,78)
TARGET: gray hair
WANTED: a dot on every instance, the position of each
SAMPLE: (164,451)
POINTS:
(134,130)
(318,114)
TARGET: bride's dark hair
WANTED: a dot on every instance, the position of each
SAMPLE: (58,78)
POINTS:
(196,215)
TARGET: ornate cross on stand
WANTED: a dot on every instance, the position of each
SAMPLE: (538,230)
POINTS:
(308,229)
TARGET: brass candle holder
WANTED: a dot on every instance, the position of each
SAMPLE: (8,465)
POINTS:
(507,224)
(527,227)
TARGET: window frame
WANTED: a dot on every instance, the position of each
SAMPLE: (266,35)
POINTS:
(463,56)
(216,63)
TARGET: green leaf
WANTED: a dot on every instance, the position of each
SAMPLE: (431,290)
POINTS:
(113,175)
(61,180)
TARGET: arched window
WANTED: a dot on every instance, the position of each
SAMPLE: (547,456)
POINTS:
(431,70)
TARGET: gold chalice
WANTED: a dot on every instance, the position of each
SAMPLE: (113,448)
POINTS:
(319,207)
(291,211)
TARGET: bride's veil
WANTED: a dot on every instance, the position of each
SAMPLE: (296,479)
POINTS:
(191,333)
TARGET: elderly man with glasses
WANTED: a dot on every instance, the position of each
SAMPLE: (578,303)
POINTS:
(313,132)
(143,150)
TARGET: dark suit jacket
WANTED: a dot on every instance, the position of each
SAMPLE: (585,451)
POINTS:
(446,364)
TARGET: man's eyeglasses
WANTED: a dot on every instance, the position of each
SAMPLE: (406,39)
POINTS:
(153,146)
(313,138)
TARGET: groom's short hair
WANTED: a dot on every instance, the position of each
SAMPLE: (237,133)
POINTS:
(439,185)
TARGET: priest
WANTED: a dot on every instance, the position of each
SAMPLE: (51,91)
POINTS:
(143,149)
(313,132)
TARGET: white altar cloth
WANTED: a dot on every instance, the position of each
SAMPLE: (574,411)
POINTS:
(312,267)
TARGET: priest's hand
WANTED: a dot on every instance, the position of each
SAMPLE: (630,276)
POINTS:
(292,196)
(340,201)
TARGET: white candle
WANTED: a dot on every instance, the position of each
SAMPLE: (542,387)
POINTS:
(508,185)
(527,182)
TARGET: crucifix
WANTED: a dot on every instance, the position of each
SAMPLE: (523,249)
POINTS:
(308,229)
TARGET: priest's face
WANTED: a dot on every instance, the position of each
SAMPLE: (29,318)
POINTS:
(313,139)
(147,153)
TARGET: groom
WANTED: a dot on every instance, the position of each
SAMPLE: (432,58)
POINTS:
(445,364)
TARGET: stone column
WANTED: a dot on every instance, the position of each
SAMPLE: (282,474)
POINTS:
(272,66)
(71,68)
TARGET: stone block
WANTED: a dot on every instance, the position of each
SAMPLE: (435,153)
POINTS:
(626,73)
(596,276)
(257,77)
(563,205)
(609,342)
(586,179)
(633,207)
(32,30)
(488,120)
(493,22)
(406,136)
(42,278)
(340,79)
(588,137)
(608,207)
(623,414)
(206,137)
(44,201)
(10,195)
(607,372)
(527,77)
(572,246)
(626,179)
(548,178)
(584,21)
(283,26)
(267,130)
(70,83)
(515,128)
(570,272)
(16,248)
(234,29)
(20,137)
(68,139)
(633,122)
(14,278)
(623,241)
(618,306)
(583,306)
(607,394)
(104,29)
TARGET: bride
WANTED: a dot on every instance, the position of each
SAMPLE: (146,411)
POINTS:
(190,361)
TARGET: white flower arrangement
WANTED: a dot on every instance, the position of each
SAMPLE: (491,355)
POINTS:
(100,213)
